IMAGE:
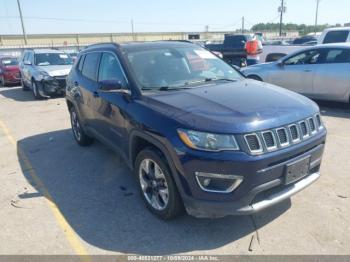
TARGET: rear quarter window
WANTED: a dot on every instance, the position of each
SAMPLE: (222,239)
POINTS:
(336,36)
(91,63)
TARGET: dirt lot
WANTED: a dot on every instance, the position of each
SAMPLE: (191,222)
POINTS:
(59,198)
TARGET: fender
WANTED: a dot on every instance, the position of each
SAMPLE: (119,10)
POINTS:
(165,147)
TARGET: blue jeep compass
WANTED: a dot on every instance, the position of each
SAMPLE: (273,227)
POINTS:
(198,135)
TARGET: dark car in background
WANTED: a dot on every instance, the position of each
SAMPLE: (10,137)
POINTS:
(9,71)
(44,71)
(197,134)
(234,50)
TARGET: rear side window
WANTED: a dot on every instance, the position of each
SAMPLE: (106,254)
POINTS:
(90,66)
(335,56)
(336,36)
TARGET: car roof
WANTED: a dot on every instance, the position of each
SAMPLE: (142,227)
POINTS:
(337,29)
(138,46)
(47,51)
(332,45)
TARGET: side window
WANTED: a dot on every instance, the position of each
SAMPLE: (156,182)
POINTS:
(338,56)
(81,63)
(31,57)
(25,56)
(110,69)
(307,57)
(336,37)
(90,66)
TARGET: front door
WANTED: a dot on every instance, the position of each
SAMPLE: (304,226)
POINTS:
(110,107)
(296,73)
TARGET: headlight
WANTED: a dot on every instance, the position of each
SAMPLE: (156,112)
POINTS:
(207,141)
(43,76)
(46,77)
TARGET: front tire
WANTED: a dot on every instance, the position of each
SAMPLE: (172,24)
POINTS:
(79,134)
(24,86)
(35,90)
(156,185)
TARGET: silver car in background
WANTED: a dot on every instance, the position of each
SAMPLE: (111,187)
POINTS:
(319,72)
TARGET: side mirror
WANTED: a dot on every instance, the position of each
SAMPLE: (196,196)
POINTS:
(110,85)
(280,63)
(27,62)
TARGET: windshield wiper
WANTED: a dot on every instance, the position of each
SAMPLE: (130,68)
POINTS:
(220,79)
(166,88)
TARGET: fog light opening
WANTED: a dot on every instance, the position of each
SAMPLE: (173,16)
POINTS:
(218,183)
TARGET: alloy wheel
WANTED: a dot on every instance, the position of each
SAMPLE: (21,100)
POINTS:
(153,184)
(75,125)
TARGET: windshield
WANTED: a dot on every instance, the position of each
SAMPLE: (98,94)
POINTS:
(178,67)
(53,59)
(9,62)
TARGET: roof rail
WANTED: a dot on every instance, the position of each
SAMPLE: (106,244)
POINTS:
(101,44)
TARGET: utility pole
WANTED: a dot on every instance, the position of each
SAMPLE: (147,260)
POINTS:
(23,29)
(316,18)
(132,30)
(242,24)
(281,9)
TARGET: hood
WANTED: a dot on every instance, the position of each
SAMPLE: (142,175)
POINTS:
(14,68)
(238,107)
(258,66)
(56,70)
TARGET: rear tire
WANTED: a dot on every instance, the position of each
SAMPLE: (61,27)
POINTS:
(156,185)
(79,134)
(255,77)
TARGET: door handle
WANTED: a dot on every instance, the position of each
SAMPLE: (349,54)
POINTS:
(95,93)
(307,70)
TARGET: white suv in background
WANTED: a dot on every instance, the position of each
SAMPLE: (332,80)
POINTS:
(335,35)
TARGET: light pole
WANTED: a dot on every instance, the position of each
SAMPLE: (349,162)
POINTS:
(281,9)
(23,29)
(316,18)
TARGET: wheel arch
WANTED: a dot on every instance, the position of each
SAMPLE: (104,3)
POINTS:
(139,140)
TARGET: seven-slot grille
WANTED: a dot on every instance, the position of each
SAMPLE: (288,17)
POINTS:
(270,140)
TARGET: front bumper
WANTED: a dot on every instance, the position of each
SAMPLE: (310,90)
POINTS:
(54,86)
(11,77)
(264,179)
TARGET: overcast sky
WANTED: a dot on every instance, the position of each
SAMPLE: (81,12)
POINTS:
(92,16)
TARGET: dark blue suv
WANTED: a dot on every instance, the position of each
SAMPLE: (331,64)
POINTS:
(198,135)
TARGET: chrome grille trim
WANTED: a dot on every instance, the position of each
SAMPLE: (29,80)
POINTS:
(281,137)
(254,151)
(298,133)
(274,146)
(301,129)
(286,134)
(313,130)
(319,121)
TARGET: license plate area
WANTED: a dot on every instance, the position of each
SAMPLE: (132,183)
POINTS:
(297,170)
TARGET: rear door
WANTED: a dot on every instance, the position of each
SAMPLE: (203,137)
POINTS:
(296,73)
(332,77)
(110,107)
(87,85)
